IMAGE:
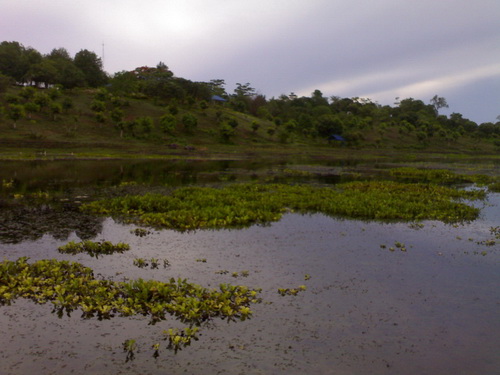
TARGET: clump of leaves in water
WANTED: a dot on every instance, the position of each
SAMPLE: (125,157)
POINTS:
(140,232)
(495,187)
(438,176)
(291,291)
(94,249)
(70,286)
(243,205)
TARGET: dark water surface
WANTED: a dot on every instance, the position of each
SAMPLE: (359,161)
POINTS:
(433,309)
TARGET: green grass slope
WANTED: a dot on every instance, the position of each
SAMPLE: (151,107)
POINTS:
(72,127)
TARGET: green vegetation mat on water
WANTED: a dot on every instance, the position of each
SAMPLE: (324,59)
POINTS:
(242,205)
(94,249)
(70,286)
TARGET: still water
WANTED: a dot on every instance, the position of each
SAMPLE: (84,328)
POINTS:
(432,309)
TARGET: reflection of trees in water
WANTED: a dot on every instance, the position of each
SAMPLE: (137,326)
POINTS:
(21,223)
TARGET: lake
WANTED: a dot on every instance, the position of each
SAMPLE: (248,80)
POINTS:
(369,307)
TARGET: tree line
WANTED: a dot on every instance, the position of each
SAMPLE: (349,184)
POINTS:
(293,116)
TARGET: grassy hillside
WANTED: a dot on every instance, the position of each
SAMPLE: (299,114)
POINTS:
(71,124)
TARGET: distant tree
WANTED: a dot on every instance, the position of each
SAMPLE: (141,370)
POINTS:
(45,72)
(98,106)
(91,66)
(167,123)
(31,57)
(124,83)
(42,99)
(438,102)
(5,82)
(67,73)
(145,125)
(232,122)
(203,105)
(217,87)
(173,109)
(55,92)
(116,115)
(15,112)
(244,90)
(67,104)
(255,103)
(12,99)
(255,126)
(27,92)
(226,132)
(327,125)
(12,63)
(318,99)
(487,129)
(55,109)
(190,122)
(100,117)
(30,108)
(102,95)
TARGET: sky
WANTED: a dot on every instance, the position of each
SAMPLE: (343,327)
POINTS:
(376,49)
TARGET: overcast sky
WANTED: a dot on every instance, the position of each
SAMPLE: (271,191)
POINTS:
(380,49)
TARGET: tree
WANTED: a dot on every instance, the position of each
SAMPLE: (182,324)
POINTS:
(31,57)
(11,60)
(59,53)
(318,99)
(31,107)
(190,122)
(5,82)
(67,73)
(41,99)
(244,90)
(226,131)
(98,106)
(438,102)
(327,125)
(91,66)
(255,126)
(15,112)
(167,123)
(27,92)
(55,109)
(44,72)
(144,125)
(124,82)
(217,87)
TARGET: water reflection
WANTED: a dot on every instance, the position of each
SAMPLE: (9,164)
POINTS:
(20,222)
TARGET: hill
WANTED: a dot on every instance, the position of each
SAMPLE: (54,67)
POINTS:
(97,123)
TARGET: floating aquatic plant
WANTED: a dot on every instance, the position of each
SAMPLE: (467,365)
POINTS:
(140,232)
(71,286)
(94,249)
(291,291)
(243,205)
(438,176)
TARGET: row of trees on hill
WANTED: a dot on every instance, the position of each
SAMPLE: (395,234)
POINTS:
(314,116)
(320,116)
(30,67)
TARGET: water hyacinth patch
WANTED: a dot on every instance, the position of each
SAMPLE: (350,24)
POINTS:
(94,249)
(69,286)
(242,205)
(438,176)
